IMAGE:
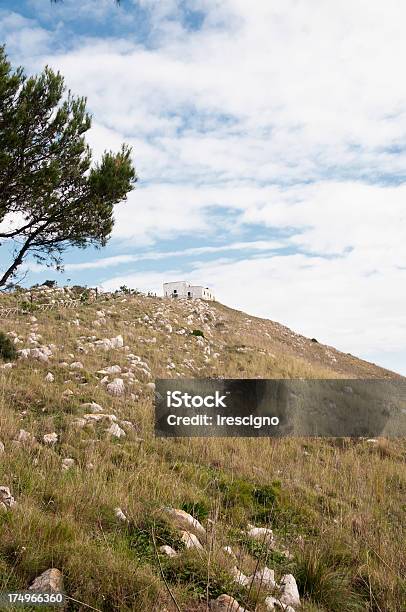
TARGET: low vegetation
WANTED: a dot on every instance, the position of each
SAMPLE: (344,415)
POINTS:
(336,507)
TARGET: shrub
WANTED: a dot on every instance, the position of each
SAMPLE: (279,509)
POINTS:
(326,583)
(28,307)
(198,332)
(7,349)
(192,570)
(198,510)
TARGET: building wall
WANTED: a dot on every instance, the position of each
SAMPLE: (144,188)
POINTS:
(179,288)
(183,289)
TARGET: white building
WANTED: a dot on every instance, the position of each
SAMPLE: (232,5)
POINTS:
(183,289)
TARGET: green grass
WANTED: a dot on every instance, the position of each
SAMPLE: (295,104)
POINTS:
(338,506)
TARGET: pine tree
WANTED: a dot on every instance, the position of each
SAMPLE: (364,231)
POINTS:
(52,194)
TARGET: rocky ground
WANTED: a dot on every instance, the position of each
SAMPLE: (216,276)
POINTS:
(90,500)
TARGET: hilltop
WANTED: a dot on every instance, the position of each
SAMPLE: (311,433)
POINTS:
(89,483)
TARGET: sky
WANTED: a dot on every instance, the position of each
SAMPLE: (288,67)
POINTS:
(269,140)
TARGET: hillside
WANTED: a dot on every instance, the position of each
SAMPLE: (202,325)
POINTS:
(95,493)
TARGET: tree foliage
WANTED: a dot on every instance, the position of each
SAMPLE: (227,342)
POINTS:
(52,194)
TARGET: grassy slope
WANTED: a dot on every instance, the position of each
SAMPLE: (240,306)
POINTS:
(338,506)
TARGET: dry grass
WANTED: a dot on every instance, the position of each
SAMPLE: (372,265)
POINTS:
(338,506)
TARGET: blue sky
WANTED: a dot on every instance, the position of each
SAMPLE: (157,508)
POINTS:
(269,140)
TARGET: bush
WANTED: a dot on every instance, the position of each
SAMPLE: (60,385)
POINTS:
(327,583)
(198,332)
(7,349)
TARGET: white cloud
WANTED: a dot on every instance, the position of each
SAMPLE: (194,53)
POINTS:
(291,116)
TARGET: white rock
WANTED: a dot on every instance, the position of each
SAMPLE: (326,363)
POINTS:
(116,388)
(7,366)
(79,423)
(226,603)
(120,515)
(117,342)
(116,431)
(114,369)
(230,552)
(95,417)
(2,448)
(272,603)
(262,534)
(42,353)
(185,521)
(51,438)
(264,577)
(25,437)
(93,407)
(67,393)
(290,593)
(168,550)
(190,540)
(76,365)
(68,463)
(127,424)
(49,377)
(6,499)
(49,581)
(239,577)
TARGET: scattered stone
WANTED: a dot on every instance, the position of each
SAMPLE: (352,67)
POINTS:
(114,369)
(116,431)
(116,388)
(230,552)
(68,463)
(49,377)
(79,423)
(25,437)
(168,550)
(239,577)
(110,343)
(127,424)
(263,534)
(93,407)
(51,438)
(265,577)
(120,515)
(76,365)
(185,521)
(42,353)
(6,499)
(190,540)
(290,592)
(2,448)
(226,603)
(272,603)
(7,366)
(49,581)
